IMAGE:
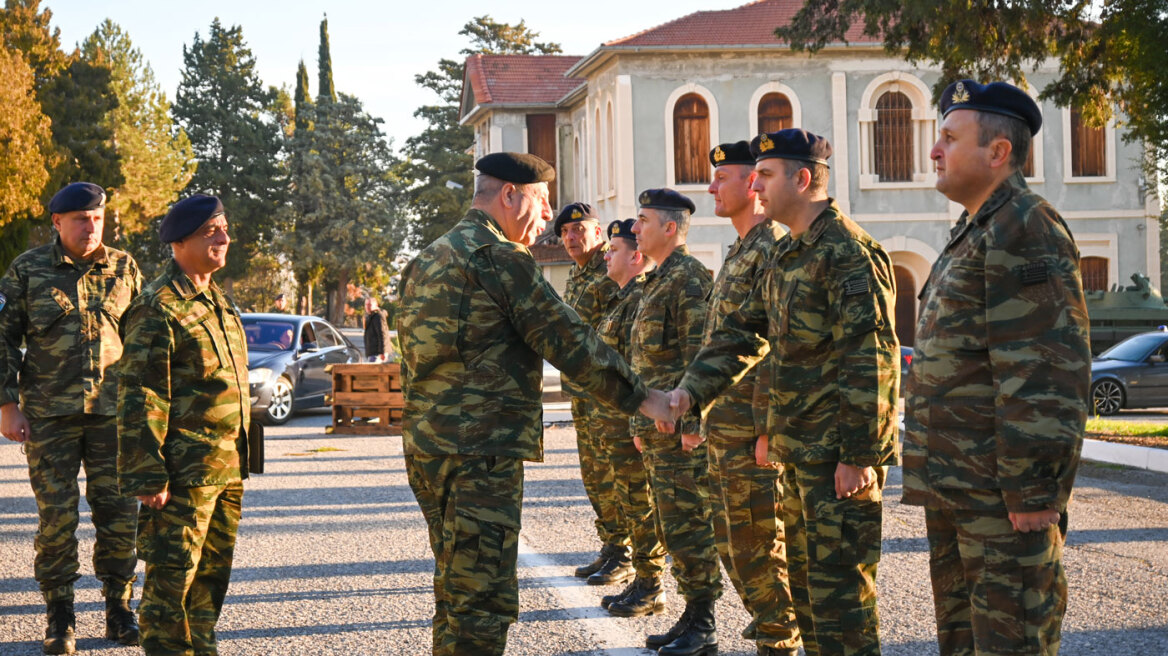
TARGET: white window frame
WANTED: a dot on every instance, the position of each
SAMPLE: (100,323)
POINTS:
(670,103)
(1108,153)
(924,125)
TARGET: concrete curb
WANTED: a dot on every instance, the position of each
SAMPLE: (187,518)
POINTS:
(1129,455)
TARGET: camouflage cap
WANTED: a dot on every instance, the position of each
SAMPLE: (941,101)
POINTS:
(996,98)
(573,213)
(77,197)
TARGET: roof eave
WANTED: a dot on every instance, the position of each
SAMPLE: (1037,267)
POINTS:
(490,107)
(598,57)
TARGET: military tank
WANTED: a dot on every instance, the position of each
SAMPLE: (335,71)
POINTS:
(1124,311)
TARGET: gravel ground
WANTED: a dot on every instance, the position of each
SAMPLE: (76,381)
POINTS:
(333,559)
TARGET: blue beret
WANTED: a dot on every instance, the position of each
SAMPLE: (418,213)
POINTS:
(187,215)
(76,197)
(732,153)
(665,199)
(791,143)
(622,229)
(996,98)
(573,213)
(517,168)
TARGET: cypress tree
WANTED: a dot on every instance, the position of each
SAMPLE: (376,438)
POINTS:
(326,92)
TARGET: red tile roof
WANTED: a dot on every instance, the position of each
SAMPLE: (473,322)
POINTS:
(520,79)
(750,24)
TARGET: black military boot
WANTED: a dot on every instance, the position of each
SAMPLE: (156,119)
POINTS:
(764,650)
(645,597)
(606,552)
(617,569)
(120,623)
(699,637)
(608,600)
(655,640)
(62,625)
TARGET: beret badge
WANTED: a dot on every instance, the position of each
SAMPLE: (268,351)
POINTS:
(577,214)
(645,199)
(765,143)
(719,154)
(960,95)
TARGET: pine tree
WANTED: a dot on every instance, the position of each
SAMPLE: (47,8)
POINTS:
(25,146)
(226,113)
(437,164)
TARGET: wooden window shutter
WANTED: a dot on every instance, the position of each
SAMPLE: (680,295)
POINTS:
(892,138)
(1088,148)
(1094,270)
(691,140)
(774,113)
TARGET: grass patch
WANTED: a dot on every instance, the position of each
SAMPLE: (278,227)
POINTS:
(324,449)
(1141,433)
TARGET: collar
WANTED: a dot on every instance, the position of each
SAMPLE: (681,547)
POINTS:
(672,260)
(184,286)
(1005,191)
(100,257)
(480,218)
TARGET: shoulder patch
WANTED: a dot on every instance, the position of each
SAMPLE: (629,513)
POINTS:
(856,286)
(1034,273)
(3,301)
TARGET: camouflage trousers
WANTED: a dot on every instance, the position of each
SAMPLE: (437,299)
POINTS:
(833,547)
(188,547)
(596,472)
(746,499)
(56,449)
(637,507)
(681,492)
(472,506)
(996,591)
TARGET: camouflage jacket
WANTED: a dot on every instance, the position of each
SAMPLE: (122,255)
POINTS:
(827,304)
(590,292)
(68,313)
(616,330)
(477,319)
(740,413)
(183,406)
(997,391)
(667,330)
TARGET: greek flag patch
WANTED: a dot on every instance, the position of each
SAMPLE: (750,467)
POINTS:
(3,300)
(856,286)
(1034,273)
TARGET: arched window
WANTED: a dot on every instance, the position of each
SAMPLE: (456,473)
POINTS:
(691,140)
(774,113)
(1094,270)
(579,168)
(598,174)
(1088,148)
(610,144)
(892,137)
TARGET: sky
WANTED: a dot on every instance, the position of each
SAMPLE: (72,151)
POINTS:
(377,47)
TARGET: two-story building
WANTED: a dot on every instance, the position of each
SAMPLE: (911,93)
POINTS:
(644,110)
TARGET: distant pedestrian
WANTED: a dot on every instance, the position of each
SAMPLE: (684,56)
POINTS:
(280,305)
(997,391)
(378,346)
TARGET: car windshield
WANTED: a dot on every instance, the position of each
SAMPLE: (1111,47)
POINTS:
(1134,349)
(265,335)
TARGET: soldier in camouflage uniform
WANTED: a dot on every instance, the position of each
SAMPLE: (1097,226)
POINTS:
(477,319)
(745,491)
(666,334)
(64,301)
(591,293)
(997,391)
(826,306)
(183,414)
(626,266)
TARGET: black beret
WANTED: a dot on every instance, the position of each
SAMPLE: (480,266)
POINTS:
(517,168)
(995,97)
(573,213)
(791,143)
(187,215)
(732,153)
(76,197)
(665,199)
(622,229)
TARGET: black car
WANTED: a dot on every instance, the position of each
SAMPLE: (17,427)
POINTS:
(1131,374)
(286,359)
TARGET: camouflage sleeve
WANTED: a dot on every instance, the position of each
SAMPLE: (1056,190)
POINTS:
(761,403)
(861,291)
(1036,333)
(732,350)
(554,330)
(691,330)
(13,325)
(144,401)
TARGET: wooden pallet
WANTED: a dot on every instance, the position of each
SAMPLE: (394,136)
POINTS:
(367,399)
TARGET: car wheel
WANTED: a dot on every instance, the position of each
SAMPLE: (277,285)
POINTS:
(1106,397)
(280,408)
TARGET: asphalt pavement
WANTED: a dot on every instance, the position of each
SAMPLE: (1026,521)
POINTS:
(333,559)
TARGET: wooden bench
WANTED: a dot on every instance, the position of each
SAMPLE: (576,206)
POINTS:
(366,398)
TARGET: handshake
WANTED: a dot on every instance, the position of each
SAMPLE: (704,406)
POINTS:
(665,408)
